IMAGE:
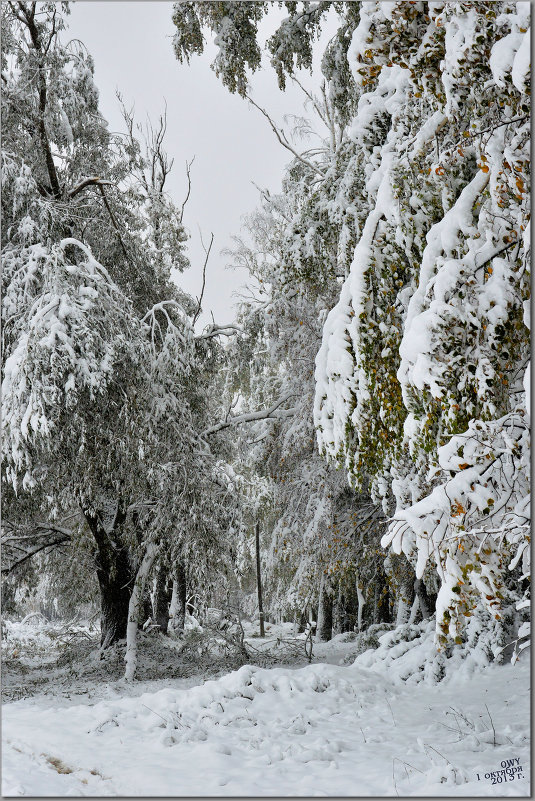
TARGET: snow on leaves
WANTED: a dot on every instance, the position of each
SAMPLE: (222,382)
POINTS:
(68,325)
(442,124)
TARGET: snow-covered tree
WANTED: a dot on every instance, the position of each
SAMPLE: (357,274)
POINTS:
(440,350)
(322,540)
(103,404)
(421,375)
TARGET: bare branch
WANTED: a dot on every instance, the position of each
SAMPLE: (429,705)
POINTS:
(188,175)
(207,252)
(273,413)
(281,136)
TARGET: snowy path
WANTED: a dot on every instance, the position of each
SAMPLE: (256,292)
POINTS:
(317,730)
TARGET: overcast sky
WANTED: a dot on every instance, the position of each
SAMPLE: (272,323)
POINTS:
(131,43)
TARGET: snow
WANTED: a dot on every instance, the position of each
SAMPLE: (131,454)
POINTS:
(379,726)
(522,63)
(511,54)
(527,387)
(442,237)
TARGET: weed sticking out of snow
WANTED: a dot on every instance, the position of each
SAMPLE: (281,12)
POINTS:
(57,764)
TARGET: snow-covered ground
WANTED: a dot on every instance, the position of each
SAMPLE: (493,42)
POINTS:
(379,726)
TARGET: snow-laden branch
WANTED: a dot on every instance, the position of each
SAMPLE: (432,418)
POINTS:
(160,306)
(214,330)
(85,182)
(273,413)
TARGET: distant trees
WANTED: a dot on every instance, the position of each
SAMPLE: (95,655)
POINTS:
(321,546)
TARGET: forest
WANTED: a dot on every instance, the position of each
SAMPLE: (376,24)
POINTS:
(336,483)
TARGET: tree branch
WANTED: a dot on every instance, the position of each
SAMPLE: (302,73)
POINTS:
(207,252)
(495,254)
(220,330)
(273,413)
(85,182)
(29,21)
(114,221)
(284,141)
(61,536)
(188,175)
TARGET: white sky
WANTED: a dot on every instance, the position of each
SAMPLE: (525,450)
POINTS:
(131,43)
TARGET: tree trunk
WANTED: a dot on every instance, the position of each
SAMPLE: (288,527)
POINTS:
(134,609)
(325,613)
(177,609)
(406,594)
(338,612)
(361,602)
(259,579)
(115,576)
(422,602)
(145,608)
(160,600)
(381,602)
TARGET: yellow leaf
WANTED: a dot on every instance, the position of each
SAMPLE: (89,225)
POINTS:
(457,509)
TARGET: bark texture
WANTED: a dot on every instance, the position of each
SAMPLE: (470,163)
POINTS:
(325,613)
(161,599)
(177,610)
(115,576)
(134,608)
